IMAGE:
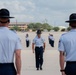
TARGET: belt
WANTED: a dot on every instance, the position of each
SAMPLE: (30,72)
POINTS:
(70,61)
(6,63)
(39,47)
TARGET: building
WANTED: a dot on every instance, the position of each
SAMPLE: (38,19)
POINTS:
(22,26)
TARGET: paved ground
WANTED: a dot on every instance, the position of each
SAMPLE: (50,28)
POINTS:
(51,56)
(50,66)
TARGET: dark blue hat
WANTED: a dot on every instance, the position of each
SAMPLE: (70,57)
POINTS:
(38,31)
(72,18)
(4,13)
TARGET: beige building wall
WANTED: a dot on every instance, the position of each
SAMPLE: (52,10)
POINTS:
(22,26)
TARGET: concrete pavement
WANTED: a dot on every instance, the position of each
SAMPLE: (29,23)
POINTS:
(50,66)
(51,56)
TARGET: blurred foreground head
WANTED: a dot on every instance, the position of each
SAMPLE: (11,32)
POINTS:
(4,17)
(72,20)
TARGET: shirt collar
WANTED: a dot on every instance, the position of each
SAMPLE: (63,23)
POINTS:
(3,28)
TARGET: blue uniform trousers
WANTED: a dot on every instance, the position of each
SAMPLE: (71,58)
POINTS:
(51,42)
(27,43)
(7,69)
(70,68)
(39,56)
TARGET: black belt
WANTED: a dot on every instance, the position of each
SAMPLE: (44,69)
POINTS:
(6,63)
(70,61)
(39,47)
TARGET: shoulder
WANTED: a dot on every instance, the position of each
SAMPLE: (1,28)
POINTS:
(13,33)
(35,38)
(64,34)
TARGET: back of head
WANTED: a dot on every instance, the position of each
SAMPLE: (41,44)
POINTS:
(4,13)
(4,17)
(72,20)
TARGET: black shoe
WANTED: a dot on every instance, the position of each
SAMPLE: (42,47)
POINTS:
(37,68)
(40,68)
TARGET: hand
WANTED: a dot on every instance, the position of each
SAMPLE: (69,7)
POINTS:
(63,73)
(18,74)
(33,51)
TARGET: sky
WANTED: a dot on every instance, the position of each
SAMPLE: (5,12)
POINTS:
(54,12)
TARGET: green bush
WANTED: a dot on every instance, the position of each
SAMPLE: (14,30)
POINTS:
(63,30)
(68,28)
(56,28)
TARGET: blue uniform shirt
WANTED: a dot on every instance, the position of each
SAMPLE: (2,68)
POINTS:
(9,42)
(38,41)
(67,44)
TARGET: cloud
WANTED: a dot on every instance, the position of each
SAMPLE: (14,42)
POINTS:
(17,6)
(55,11)
(23,18)
(19,9)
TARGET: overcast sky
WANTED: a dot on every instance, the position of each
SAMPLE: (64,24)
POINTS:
(54,12)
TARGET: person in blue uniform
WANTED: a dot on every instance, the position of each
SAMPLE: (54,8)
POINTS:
(51,40)
(38,46)
(67,48)
(10,47)
(27,40)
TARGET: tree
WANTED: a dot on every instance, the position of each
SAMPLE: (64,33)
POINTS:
(56,28)
(15,28)
(35,26)
(38,26)
(68,28)
(63,30)
(47,26)
(27,29)
(31,25)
